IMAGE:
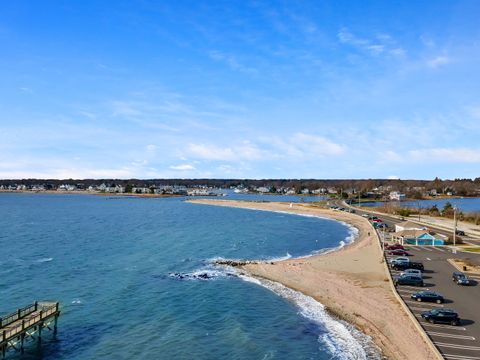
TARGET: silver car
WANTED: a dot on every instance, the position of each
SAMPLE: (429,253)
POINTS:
(415,272)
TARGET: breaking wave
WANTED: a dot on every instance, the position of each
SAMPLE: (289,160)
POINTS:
(341,339)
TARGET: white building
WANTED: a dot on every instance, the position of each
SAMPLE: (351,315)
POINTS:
(397,196)
(408,225)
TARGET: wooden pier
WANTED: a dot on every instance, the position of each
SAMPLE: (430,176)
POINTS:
(27,322)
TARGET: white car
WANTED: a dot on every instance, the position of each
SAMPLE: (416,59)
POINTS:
(415,272)
(400,259)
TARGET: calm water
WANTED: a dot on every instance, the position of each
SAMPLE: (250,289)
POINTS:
(109,262)
(464,204)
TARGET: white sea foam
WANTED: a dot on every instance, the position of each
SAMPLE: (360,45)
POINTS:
(44,260)
(207,273)
(341,339)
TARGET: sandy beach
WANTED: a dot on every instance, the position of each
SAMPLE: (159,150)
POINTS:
(352,283)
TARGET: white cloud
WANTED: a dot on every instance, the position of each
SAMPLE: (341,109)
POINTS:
(438,61)
(316,145)
(151,148)
(231,61)
(239,152)
(444,155)
(182,167)
(379,44)
(296,147)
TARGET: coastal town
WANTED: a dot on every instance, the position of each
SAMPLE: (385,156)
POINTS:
(368,190)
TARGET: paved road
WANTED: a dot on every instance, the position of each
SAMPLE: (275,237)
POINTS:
(454,342)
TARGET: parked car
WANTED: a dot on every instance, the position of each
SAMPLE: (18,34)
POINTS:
(372,217)
(377,220)
(400,259)
(429,296)
(442,316)
(382,226)
(352,211)
(398,252)
(408,280)
(460,232)
(415,272)
(394,247)
(460,278)
(366,215)
(407,265)
(416,265)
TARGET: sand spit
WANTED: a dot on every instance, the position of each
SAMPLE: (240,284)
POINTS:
(352,283)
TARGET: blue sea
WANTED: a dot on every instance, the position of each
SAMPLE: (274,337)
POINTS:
(126,272)
(463,204)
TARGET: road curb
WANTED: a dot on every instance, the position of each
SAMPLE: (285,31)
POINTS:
(422,332)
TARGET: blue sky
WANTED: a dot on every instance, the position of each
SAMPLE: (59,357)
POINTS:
(239,89)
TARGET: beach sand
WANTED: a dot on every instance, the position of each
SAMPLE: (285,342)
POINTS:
(352,283)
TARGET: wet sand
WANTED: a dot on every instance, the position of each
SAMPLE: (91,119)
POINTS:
(352,283)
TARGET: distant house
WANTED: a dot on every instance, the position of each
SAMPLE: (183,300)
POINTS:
(397,196)
(263,189)
(418,237)
(408,225)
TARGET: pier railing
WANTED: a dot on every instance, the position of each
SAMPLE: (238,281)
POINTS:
(16,323)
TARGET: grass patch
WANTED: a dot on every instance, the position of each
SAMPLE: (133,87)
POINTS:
(474,249)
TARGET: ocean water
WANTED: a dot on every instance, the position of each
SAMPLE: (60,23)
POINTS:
(463,204)
(126,273)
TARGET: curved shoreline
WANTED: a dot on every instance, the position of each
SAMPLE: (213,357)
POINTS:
(351,282)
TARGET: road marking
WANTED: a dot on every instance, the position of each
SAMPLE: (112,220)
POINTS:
(425,248)
(417,308)
(460,357)
(462,337)
(409,291)
(423,303)
(429,259)
(418,288)
(445,326)
(456,346)
(438,249)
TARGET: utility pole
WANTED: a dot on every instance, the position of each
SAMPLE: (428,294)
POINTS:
(454,225)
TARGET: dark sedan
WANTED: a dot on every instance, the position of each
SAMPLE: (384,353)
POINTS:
(460,278)
(407,265)
(429,296)
(441,316)
(408,280)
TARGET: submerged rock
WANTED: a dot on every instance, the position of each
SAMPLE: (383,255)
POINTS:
(198,275)
(234,263)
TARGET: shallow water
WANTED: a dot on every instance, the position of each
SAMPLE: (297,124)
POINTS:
(109,261)
(463,204)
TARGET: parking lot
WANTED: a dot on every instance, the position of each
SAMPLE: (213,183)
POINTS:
(454,342)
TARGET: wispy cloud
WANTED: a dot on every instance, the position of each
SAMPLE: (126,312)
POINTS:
(439,61)
(231,61)
(446,155)
(377,45)
(239,152)
(182,167)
